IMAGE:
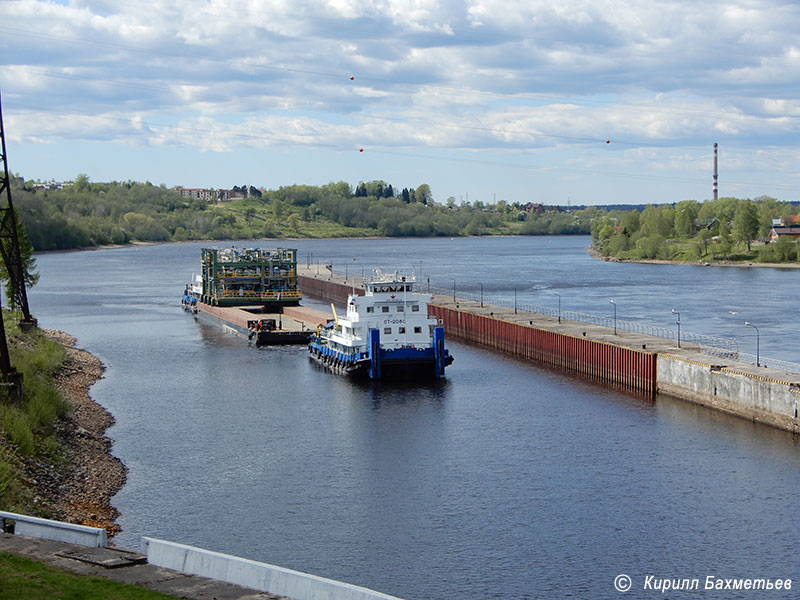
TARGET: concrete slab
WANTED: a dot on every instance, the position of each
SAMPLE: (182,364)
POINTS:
(76,559)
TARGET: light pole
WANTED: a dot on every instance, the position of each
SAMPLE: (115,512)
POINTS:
(481,295)
(515,300)
(758,342)
(678,323)
(454,289)
(615,316)
(559,305)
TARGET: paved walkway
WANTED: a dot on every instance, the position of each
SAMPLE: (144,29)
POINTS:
(126,566)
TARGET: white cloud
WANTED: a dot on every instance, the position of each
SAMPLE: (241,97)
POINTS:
(498,75)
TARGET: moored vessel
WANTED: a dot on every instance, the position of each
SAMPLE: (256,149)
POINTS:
(385,334)
(245,290)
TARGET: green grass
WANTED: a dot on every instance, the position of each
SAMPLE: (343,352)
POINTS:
(25,579)
(27,428)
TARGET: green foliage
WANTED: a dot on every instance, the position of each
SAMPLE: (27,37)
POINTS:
(692,231)
(745,223)
(29,274)
(653,246)
(37,359)
(90,214)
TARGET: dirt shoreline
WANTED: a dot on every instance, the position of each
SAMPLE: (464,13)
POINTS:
(78,489)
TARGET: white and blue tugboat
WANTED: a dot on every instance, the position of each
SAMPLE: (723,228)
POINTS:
(385,334)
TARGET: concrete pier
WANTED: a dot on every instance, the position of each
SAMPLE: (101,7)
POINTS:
(635,362)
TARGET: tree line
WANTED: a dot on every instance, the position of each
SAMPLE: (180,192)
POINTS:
(723,229)
(86,214)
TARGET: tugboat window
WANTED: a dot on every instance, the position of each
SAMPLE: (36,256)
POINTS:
(417,329)
(385,308)
(400,308)
(370,309)
(401,330)
(415,308)
(387,330)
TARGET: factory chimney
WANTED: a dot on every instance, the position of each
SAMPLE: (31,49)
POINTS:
(715,188)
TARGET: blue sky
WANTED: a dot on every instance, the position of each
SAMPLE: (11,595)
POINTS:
(576,102)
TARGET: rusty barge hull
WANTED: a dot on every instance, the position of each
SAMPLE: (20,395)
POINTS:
(244,323)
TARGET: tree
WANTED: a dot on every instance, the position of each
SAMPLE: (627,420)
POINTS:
(29,274)
(423,194)
(746,223)
(685,217)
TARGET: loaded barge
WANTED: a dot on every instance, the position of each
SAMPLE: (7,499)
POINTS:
(245,291)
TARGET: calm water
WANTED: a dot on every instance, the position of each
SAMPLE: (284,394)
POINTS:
(502,481)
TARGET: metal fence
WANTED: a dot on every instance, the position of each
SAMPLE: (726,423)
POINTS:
(727,348)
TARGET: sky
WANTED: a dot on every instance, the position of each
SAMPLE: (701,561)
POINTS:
(566,103)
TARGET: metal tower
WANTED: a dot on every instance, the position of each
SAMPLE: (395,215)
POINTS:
(9,248)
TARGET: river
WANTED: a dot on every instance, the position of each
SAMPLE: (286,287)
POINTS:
(504,480)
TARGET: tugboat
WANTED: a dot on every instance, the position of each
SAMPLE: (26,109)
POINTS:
(192,294)
(385,334)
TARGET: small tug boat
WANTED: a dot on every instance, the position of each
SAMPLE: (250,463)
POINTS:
(386,333)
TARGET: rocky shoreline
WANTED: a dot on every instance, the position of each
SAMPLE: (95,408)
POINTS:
(78,488)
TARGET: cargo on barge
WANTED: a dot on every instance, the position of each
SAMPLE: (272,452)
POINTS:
(245,291)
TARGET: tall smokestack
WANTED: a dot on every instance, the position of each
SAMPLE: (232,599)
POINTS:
(715,188)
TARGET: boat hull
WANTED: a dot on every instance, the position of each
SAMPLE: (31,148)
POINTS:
(400,363)
(247,328)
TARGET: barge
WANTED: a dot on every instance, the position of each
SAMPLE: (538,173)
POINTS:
(245,291)
(385,334)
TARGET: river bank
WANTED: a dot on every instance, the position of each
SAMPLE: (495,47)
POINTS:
(78,488)
(695,263)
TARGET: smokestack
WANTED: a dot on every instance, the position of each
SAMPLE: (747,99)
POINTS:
(715,189)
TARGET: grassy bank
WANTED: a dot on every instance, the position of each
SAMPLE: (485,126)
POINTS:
(25,579)
(28,427)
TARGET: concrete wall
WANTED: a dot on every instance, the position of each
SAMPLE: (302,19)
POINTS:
(252,574)
(753,397)
(93,537)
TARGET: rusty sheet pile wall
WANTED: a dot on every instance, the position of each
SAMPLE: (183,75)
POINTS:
(630,369)
(327,290)
(624,367)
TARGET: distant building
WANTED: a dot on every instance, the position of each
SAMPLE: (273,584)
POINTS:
(793,233)
(51,186)
(198,193)
(211,195)
(530,207)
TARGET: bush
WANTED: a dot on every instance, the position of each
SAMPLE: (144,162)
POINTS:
(17,430)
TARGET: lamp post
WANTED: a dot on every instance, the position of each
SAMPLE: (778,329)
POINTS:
(454,289)
(758,342)
(515,300)
(615,316)
(678,323)
(481,295)
(559,305)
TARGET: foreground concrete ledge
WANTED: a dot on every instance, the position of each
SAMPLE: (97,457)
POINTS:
(58,531)
(252,574)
